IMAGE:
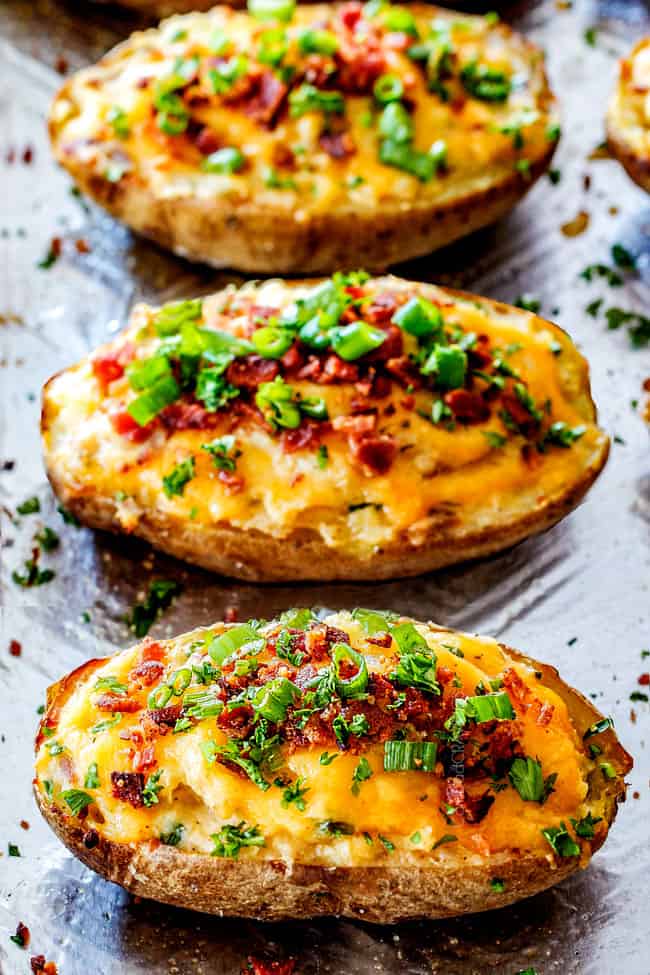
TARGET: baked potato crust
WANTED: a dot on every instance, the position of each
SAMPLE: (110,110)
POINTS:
(255,238)
(622,135)
(274,891)
(252,555)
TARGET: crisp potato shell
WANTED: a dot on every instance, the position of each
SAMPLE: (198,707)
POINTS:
(274,890)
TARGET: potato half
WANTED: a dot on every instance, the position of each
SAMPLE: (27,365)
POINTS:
(300,143)
(362,765)
(628,115)
(250,434)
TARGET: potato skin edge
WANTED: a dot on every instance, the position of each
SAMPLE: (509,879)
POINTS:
(273,890)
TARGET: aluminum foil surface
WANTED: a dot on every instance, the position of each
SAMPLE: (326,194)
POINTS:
(577,597)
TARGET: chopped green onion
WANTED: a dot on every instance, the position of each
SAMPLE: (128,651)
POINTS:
(561,841)
(405,756)
(527,778)
(119,120)
(419,317)
(230,839)
(308,98)
(388,88)
(401,155)
(143,373)
(374,620)
(159,697)
(485,83)
(226,160)
(273,699)
(147,406)
(219,42)
(354,686)
(92,777)
(223,77)
(230,641)
(355,340)
(172,316)
(395,124)
(449,364)
(272,9)
(273,47)
(76,800)
(271,341)
(223,452)
(400,20)
(312,41)
(276,401)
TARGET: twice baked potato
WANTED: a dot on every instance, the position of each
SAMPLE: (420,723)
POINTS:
(355,429)
(362,765)
(296,139)
(628,115)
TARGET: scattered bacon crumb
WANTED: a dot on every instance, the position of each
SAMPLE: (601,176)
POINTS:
(40,965)
(152,650)
(636,795)
(114,702)
(24,824)
(644,680)
(231,614)
(577,226)
(468,407)
(146,673)
(15,648)
(83,247)
(28,155)
(61,64)
(128,786)
(56,246)
(233,483)
(338,145)
(375,453)
(207,141)
(22,932)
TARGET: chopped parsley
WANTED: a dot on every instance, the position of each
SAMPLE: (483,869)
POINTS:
(29,507)
(294,795)
(174,836)
(561,841)
(231,838)
(527,778)
(223,452)
(144,615)
(92,777)
(152,788)
(362,773)
(179,477)
(76,800)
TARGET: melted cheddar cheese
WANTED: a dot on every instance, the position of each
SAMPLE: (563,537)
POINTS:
(446,475)
(108,119)
(343,817)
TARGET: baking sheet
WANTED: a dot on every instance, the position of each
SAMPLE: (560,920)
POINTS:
(577,597)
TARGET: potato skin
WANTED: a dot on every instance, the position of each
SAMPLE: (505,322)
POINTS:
(620,129)
(303,555)
(275,890)
(251,237)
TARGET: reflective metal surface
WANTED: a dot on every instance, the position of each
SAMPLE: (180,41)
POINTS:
(578,597)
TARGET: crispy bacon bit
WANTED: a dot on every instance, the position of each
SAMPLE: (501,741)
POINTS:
(256,966)
(82,246)
(146,673)
(107,369)
(292,359)
(233,483)
(306,435)
(644,680)
(165,717)
(338,145)
(91,839)
(350,14)
(337,370)
(187,416)
(249,372)
(404,371)
(262,312)
(113,702)
(207,141)
(380,640)
(231,614)
(269,95)
(392,346)
(15,648)
(124,424)
(356,426)
(22,935)
(40,966)
(518,412)
(128,787)
(238,721)
(145,760)
(467,407)
(375,453)
(152,650)
(381,309)
(318,69)
(472,808)
(479,356)
(359,65)
(283,156)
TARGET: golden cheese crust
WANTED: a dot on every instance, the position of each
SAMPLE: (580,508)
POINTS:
(429,842)
(346,136)
(628,115)
(379,469)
